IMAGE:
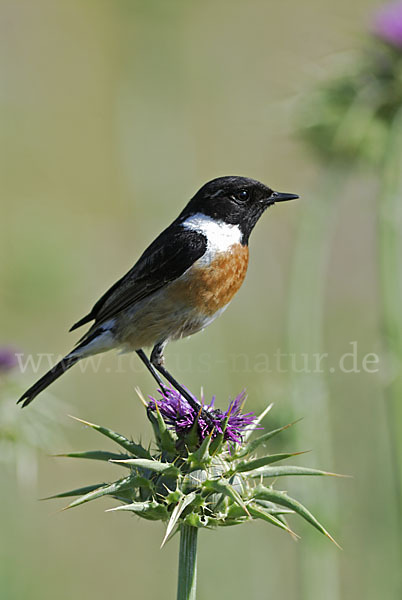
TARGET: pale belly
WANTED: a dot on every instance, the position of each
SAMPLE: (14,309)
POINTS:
(158,321)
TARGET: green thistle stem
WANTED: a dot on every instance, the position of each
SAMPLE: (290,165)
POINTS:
(390,242)
(305,335)
(187,580)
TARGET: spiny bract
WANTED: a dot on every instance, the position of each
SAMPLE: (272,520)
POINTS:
(204,474)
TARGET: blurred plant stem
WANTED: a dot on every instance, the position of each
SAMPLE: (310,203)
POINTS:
(187,580)
(308,278)
(390,254)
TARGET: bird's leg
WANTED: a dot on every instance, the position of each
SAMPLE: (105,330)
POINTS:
(150,368)
(157,360)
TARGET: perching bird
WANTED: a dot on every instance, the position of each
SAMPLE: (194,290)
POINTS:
(181,283)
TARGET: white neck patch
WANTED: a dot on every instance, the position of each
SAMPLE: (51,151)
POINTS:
(220,235)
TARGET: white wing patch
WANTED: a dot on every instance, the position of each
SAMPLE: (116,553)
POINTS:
(220,235)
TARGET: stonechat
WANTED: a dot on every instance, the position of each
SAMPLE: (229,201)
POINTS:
(182,282)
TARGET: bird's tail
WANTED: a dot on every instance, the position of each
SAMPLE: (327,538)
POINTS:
(66,363)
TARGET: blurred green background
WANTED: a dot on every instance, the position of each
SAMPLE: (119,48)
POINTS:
(114,113)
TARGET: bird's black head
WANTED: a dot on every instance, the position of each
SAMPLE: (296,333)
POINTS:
(235,200)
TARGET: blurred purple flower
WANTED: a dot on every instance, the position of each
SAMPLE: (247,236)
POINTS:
(387,24)
(180,416)
(8,359)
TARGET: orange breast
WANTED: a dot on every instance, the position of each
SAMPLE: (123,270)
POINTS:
(210,288)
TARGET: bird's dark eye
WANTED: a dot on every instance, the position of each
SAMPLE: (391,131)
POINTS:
(243,195)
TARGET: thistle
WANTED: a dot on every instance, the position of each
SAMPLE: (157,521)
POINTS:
(354,119)
(350,116)
(8,359)
(202,473)
(21,438)
(387,24)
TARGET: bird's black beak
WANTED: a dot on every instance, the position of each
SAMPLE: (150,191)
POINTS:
(282,197)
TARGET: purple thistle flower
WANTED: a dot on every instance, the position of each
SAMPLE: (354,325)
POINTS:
(8,359)
(387,24)
(180,416)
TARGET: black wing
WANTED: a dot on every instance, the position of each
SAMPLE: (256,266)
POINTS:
(168,257)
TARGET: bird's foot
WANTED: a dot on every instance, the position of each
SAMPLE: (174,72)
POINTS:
(157,357)
(156,366)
